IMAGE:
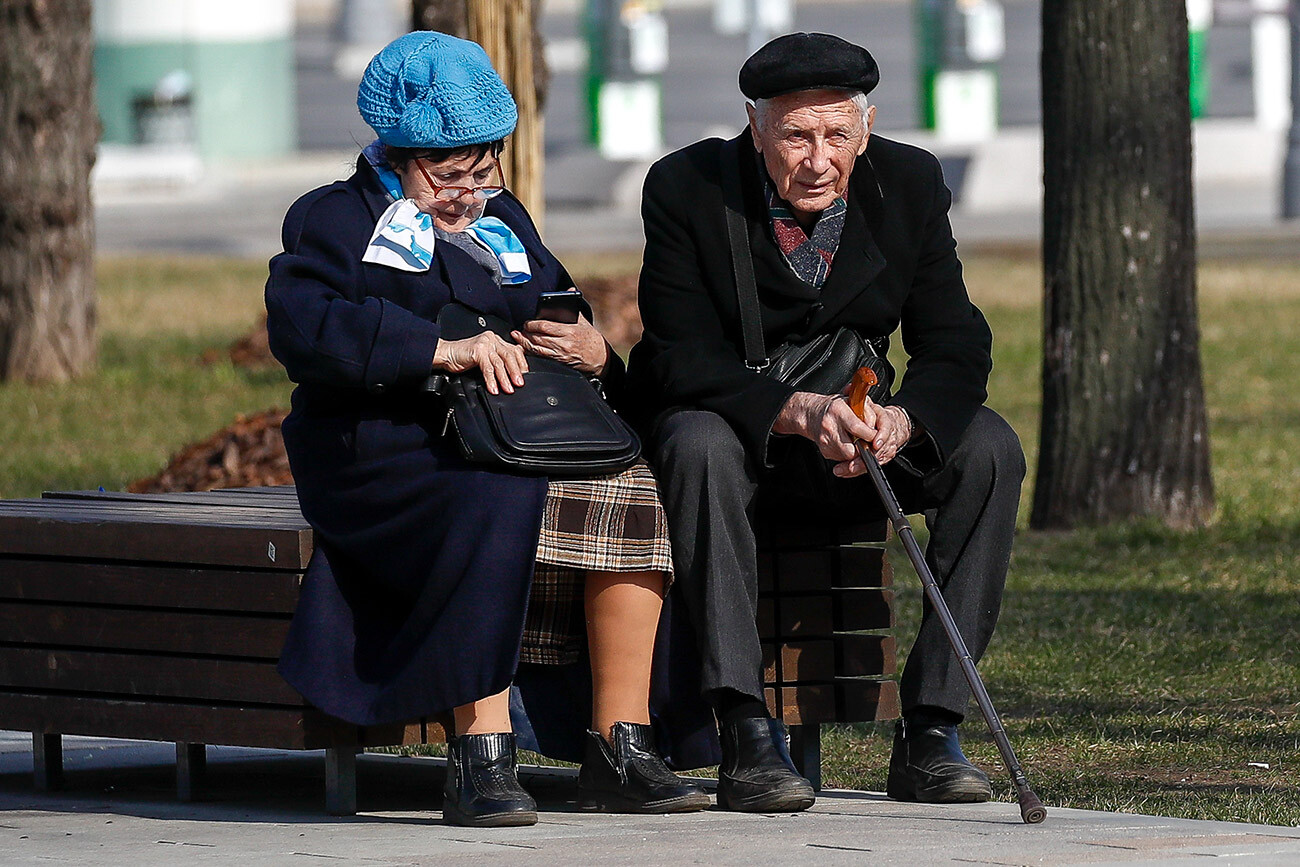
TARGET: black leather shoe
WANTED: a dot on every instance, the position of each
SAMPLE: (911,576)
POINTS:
(756,774)
(482,788)
(629,776)
(928,765)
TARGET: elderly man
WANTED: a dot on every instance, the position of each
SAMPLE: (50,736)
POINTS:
(844,229)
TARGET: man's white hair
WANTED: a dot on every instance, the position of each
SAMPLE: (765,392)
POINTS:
(763,107)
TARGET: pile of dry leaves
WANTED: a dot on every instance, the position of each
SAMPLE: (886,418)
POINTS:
(248,453)
(252,351)
(613,301)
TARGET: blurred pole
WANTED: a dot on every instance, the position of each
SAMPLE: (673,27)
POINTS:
(362,28)
(767,19)
(628,54)
(960,45)
(1291,171)
(1270,61)
(757,27)
(1200,16)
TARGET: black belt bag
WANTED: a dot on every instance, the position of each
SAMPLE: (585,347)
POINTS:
(557,424)
(824,364)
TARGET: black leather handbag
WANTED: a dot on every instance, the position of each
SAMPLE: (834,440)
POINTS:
(557,424)
(823,364)
(826,363)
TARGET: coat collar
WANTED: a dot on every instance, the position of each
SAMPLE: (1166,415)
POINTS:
(372,189)
(858,260)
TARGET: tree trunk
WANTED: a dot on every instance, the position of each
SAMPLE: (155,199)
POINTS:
(445,16)
(508,32)
(1124,429)
(48,130)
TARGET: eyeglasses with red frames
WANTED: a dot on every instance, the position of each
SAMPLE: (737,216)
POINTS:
(445,193)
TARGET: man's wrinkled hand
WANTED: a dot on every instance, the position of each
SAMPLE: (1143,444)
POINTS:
(893,431)
(828,421)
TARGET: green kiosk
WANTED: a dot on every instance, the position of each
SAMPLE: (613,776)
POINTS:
(216,78)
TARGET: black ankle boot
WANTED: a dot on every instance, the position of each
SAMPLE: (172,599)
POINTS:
(482,787)
(757,775)
(928,765)
(629,776)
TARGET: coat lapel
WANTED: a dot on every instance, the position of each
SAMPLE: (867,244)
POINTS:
(858,260)
(372,191)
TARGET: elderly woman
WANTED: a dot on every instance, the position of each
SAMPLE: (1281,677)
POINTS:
(418,593)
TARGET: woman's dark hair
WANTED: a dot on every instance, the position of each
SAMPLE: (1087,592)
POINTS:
(397,157)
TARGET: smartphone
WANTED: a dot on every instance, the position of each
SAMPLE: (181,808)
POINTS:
(560,306)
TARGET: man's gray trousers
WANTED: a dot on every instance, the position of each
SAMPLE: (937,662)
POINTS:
(709,487)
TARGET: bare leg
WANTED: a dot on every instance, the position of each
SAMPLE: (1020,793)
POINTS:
(622,611)
(485,716)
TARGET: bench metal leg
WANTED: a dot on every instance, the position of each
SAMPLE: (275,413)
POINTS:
(47,761)
(191,767)
(341,781)
(806,750)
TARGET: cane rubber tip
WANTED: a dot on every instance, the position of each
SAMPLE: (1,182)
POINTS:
(1032,809)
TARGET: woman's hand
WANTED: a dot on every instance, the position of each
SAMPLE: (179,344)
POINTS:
(503,364)
(578,345)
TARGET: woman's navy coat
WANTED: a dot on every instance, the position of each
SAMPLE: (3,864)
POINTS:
(415,597)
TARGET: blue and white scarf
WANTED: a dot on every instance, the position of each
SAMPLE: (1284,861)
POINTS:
(404,238)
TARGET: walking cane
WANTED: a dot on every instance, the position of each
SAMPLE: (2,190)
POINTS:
(1032,810)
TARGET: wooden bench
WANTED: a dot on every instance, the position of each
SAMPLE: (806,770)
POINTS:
(825,612)
(161,617)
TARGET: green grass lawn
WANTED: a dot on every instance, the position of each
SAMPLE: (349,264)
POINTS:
(1137,669)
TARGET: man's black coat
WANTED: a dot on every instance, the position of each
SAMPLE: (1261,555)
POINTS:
(896,264)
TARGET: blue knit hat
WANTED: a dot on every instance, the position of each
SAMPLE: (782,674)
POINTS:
(430,90)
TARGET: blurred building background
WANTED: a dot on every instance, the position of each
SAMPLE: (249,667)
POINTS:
(196,95)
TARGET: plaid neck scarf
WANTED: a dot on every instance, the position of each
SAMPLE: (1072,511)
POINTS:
(809,257)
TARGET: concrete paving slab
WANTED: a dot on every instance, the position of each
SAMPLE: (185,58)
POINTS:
(265,807)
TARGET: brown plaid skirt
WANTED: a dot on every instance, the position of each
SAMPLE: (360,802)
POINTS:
(607,523)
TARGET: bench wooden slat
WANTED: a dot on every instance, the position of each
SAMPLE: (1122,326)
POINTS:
(824,614)
(848,655)
(111,583)
(777,528)
(843,700)
(229,498)
(152,537)
(151,514)
(145,675)
(160,631)
(823,569)
(289,728)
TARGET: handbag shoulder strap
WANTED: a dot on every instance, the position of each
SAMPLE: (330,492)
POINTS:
(742,262)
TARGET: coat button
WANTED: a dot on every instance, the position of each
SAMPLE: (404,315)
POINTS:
(482,322)
(378,388)
(552,401)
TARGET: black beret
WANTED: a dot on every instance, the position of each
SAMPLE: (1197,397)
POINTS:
(807,61)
